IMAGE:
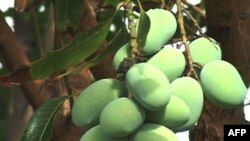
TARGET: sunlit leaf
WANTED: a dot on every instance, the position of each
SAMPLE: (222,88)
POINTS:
(82,47)
(68,13)
(39,128)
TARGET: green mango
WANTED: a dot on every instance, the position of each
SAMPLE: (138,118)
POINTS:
(148,85)
(222,84)
(120,55)
(153,132)
(157,36)
(190,91)
(90,103)
(175,114)
(204,50)
(96,134)
(121,117)
(170,61)
(163,26)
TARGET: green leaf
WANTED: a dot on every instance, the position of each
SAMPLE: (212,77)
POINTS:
(117,22)
(68,13)
(143,27)
(119,40)
(39,128)
(111,2)
(82,47)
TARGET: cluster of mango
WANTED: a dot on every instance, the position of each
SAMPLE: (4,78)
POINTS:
(156,99)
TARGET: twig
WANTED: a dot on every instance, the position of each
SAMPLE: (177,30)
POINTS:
(163,4)
(169,4)
(20,5)
(69,90)
(175,40)
(132,27)
(191,70)
(190,29)
(194,21)
(195,8)
(26,5)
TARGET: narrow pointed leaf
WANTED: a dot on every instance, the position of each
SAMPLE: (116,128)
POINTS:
(68,13)
(143,27)
(119,40)
(82,47)
(39,128)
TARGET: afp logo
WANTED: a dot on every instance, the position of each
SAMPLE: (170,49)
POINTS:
(241,132)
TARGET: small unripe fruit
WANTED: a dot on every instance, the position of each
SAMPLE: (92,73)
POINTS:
(190,91)
(89,105)
(121,117)
(204,50)
(163,26)
(96,134)
(175,114)
(170,61)
(153,132)
(120,55)
(149,86)
(222,84)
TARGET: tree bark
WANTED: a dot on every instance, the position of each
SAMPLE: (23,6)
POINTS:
(103,69)
(38,92)
(228,23)
(14,55)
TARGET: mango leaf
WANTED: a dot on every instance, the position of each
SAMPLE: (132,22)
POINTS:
(39,128)
(121,38)
(111,2)
(82,47)
(68,13)
(117,22)
(143,27)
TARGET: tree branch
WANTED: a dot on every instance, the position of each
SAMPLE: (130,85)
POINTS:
(38,92)
(14,56)
(104,68)
(191,71)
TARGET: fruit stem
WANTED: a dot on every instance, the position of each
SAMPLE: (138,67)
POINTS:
(132,27)
(191,70)
(69,90)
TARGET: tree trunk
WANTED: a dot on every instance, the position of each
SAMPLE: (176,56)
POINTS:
(228,22)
